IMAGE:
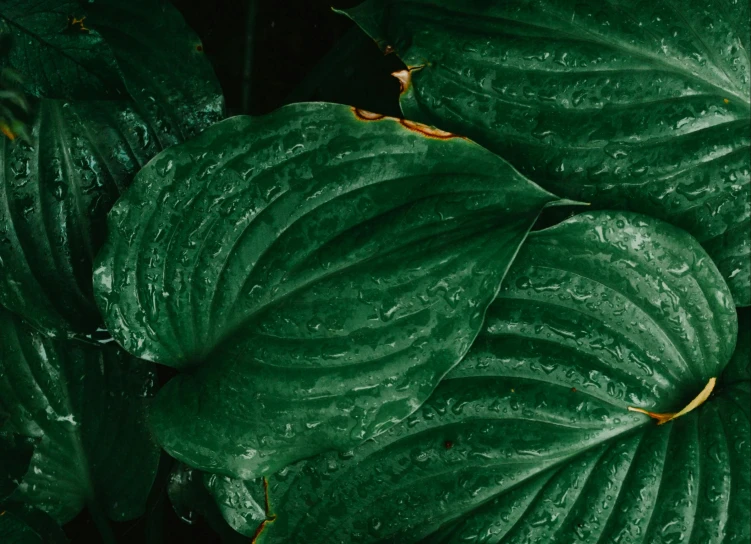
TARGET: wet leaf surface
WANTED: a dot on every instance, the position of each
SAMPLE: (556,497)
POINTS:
(317,271)
(625,104)
(85,406)
(529,439)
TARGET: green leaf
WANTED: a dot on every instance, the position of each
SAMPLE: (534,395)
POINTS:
(529,439)
(59,56)
(57,188)
(243,504)
(317,272)
(163,65)
(86,405)
(627,105)
(55,193)
(23,524)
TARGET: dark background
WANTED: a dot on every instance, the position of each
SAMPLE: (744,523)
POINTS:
(297,50)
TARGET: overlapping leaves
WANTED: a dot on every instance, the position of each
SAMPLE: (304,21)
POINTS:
(57,187)
(85,406)
(529,439)
(626,104)
(318,270)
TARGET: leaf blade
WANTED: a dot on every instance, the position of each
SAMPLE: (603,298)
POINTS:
(348,254)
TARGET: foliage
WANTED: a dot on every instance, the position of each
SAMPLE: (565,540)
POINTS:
(325,324)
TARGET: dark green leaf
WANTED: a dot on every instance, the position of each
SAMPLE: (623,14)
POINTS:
(242,504)
(529,439)
(86,406)
(163,64)
(190,499)
(57,188)
(58,55)
(318,273)
(625,104)
(23,524)
(55,193)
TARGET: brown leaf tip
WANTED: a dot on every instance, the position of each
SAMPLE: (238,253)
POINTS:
(76,24)
(426,130)
(670,416)
(364,115)
(5,129)
(404,80)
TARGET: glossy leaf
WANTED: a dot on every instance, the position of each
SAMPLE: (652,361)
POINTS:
(318,269)
(22,524)
(86,406)
(529,439)
(625,104)
(163,65)
(57,188)
(58,54)
(55,193)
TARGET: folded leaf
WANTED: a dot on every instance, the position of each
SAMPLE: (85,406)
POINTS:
(86,406)
(318,270)
(529,438)
(625,104)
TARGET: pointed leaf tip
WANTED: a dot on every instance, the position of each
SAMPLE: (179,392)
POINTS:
(698,401)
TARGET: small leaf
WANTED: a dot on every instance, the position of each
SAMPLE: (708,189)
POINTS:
(318,270)
(190,499)
(85,404)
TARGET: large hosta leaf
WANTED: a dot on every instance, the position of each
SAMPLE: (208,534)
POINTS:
(529,439)
(629,104)
(86,405)
(318,270)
